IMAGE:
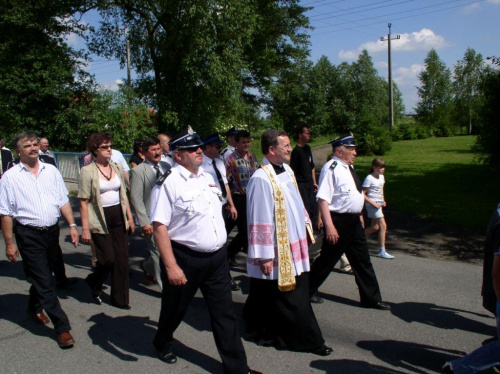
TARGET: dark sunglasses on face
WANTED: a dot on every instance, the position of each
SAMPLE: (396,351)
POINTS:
(105,147)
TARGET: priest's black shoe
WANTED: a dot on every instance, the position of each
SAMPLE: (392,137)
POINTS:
(323,351)
(169,357)
(316,300)
(378,305)
(234,286)
(250,371)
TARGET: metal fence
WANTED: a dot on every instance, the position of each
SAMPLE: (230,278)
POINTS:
(70,163)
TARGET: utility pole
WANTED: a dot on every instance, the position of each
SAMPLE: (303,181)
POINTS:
(391,101)
(129,78)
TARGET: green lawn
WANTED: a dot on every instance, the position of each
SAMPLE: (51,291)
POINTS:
(437,179)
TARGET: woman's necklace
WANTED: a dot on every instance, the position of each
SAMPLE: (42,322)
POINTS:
(104,175)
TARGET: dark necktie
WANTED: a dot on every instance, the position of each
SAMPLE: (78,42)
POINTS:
(355,177)
(221,181)
(157,168)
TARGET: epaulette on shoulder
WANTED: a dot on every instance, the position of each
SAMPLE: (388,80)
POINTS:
(224,151)
(333,165)
(160,180)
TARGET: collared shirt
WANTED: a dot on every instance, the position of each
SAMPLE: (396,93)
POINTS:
(117,156)
(190,206)
(167,157)
(337,187)
(47,153)
(209,168)
(239,171)
(153,166)
(226,152)
(34,201)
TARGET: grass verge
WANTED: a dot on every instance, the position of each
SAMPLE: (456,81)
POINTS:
(437,179)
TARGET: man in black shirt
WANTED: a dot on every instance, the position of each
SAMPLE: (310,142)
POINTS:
(302,164)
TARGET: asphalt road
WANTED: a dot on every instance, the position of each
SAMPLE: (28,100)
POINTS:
(436,316)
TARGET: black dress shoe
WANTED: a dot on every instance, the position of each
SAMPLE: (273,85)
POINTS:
(169,357)
(378,305)
(323,351)
(316,300)
(234,286)
(250,371)
(125,307)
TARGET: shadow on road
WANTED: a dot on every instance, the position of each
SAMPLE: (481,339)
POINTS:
(128,337)
(350,367)
(13,309)
(441,317)
(414,357)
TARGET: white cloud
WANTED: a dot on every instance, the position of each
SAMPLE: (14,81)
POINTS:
(471,8)
(407,76)
(424,39)
(493,1)
(381,64)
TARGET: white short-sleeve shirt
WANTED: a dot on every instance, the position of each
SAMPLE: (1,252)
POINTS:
(375,187)
(337,187)
(191,207)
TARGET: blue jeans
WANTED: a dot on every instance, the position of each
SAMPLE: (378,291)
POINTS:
(482,358)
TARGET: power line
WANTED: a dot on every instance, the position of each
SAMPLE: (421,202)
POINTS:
(396,19)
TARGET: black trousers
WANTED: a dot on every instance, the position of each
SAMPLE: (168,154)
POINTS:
(112,258)
(59,269)
(352,242)
(285,318)
(240,241)
(38,250)
(308,196)
(208,272)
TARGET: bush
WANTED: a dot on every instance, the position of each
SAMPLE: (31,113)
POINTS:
(377,141)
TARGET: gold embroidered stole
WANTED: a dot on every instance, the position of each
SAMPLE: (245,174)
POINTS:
(286,277)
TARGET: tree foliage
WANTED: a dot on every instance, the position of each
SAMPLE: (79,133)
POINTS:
(489,130)
(467,101)
(433,109)
(199,60)
(42,81)
(337,99)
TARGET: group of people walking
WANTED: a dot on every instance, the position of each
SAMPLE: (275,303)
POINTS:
(187,195)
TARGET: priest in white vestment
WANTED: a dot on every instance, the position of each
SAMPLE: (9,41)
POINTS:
(278,311)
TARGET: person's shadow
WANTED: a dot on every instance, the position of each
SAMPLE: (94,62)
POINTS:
(346,366)
(415,357)
(441,317)
(12,307)
(128,337)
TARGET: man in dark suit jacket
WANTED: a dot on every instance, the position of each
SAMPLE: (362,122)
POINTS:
(7,160)
(142,180)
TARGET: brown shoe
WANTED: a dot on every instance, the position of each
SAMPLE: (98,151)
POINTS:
(40,317)
(65,340)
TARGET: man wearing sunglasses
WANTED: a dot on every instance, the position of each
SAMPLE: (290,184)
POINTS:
(190,233)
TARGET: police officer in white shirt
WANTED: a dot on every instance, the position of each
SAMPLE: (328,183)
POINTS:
(340,202)
(231,143)
(189,232)
(215,167)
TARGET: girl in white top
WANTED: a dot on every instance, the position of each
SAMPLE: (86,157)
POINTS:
(373,188)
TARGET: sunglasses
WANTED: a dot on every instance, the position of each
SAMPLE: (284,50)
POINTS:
(105,147)
(190,150)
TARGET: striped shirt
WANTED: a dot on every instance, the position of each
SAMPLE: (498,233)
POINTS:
(30,200)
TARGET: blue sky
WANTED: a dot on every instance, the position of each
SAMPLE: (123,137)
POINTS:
(344,27)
